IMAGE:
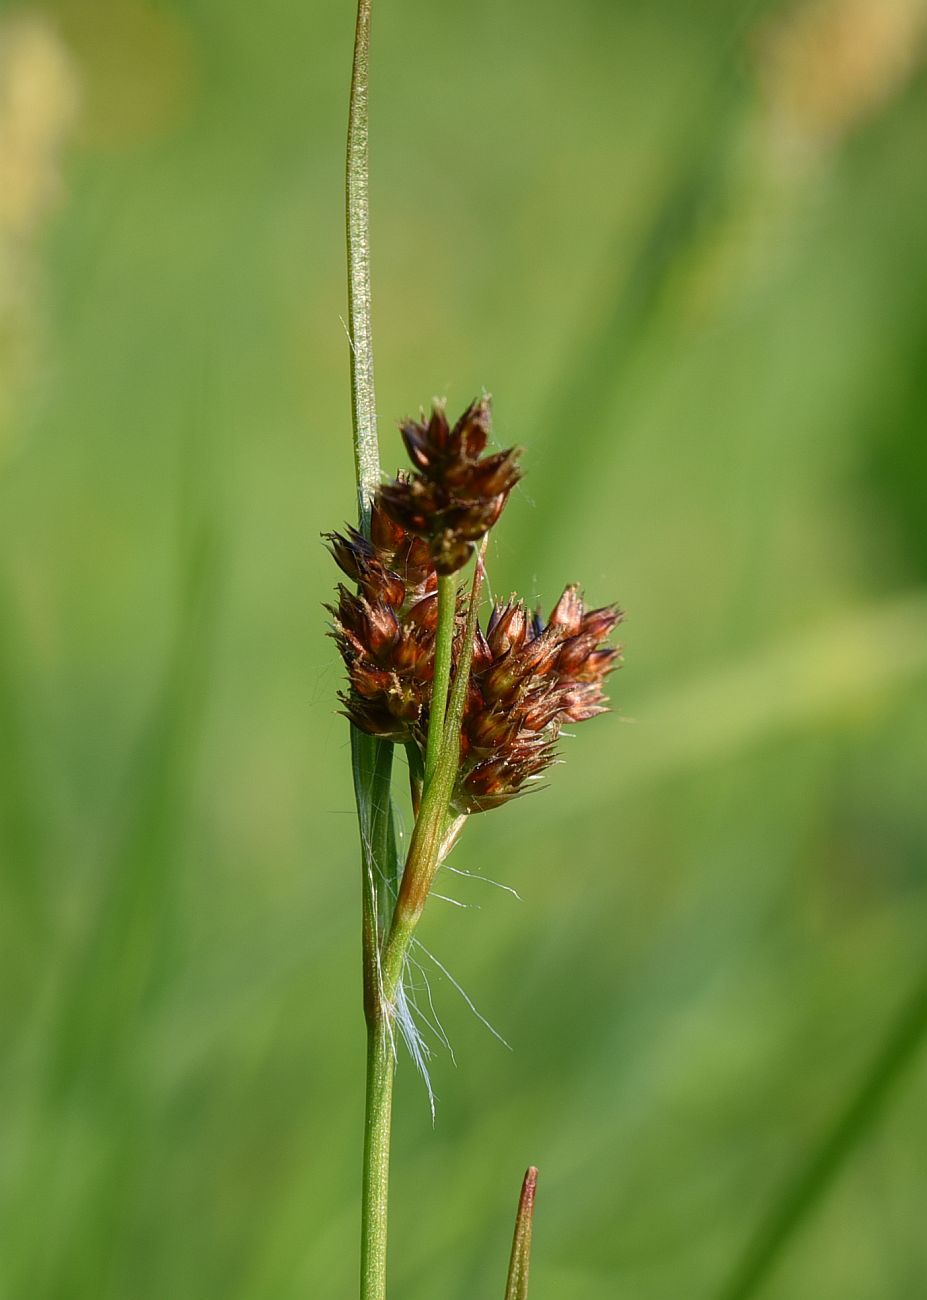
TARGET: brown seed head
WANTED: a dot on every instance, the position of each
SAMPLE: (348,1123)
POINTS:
(455,495)
(528,678)
(385,631)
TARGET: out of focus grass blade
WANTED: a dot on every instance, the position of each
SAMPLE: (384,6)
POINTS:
(119,961)
(520,1263)
(70,1215)
(823,675)
(20,823)
(812,1181)
(693,202)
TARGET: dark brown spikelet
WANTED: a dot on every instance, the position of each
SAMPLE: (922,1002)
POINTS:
(528,679)
(386,630)
(389,656)
(455,494)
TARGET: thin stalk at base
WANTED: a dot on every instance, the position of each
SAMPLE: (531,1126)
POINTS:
(377,1125)
(381,1068)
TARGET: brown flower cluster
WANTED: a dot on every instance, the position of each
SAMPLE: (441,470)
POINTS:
(526,681)
(456,493)
(386,630)
(527,678)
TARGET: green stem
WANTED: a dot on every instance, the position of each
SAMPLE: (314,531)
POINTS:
(428,834)
(444,649)
(372,775)
(381,1069)
(377,1123)
(372,758)
(372,764)
(360,328)
(421,864)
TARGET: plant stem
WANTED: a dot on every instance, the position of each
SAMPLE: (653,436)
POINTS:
(372,763)
(428,835)
(372,772)
(372,758)
(371,768)
(444,648)
(381,1069)
(377,1123)
(360,328)
(421,865)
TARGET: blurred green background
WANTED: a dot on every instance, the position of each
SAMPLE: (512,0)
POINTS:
(683,244)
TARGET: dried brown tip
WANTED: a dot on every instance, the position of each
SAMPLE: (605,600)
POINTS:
(520,1262)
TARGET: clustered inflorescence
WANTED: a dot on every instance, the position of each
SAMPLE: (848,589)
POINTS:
(527,677)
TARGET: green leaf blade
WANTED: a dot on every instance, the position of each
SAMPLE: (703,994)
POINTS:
(519,1265)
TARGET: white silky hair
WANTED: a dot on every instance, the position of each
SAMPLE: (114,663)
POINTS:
(407,1014)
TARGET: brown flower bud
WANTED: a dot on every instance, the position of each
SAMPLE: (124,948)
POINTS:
(600,623)
(471,432)
(357,558)
(574,653)
(374,717)
(568,611)
(482,654)
(385,534)
(414,655)
(581,701)
(369,681)
(490,728)
(540,708)
(424,612)
(598,665)
(404,702)
(539,655)
(508,627)
(381,628)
